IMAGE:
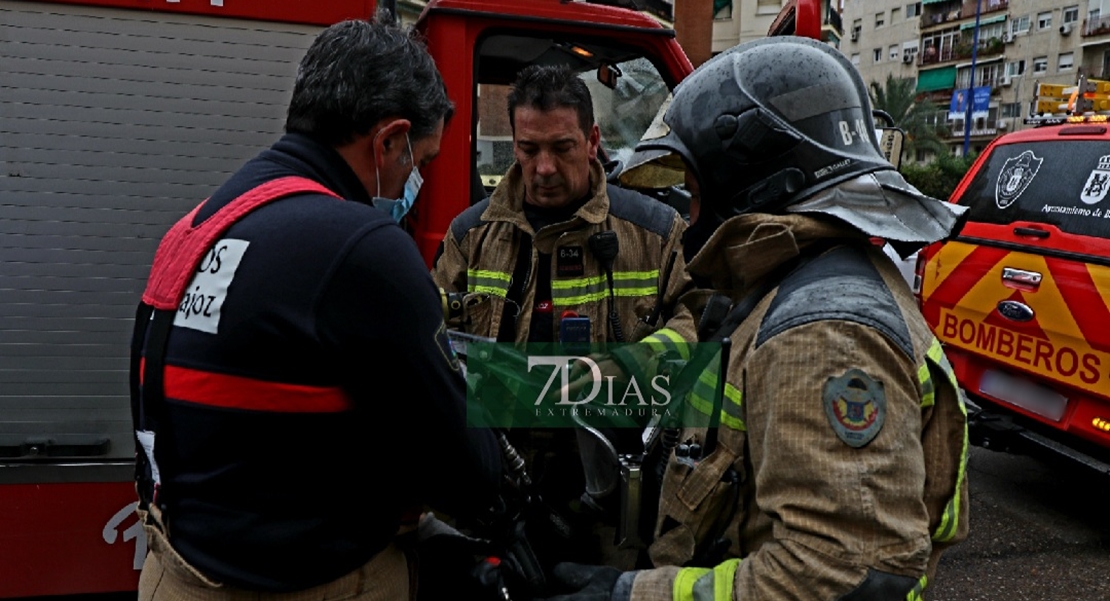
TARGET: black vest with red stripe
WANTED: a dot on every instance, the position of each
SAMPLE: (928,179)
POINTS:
(279,443)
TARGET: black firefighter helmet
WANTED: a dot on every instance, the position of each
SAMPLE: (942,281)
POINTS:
(765,125)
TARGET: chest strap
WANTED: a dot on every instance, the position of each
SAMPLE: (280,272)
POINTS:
(175,262)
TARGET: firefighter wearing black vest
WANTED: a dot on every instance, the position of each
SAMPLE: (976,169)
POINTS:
(289,344)
(838,468)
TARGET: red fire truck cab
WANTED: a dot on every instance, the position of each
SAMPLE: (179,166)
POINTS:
(119,116)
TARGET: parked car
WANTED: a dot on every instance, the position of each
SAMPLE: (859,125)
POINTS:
(1020,295)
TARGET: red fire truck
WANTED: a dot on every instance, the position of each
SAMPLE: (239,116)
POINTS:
(119,116)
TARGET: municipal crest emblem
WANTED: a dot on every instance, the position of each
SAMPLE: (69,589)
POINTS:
(1097,183)
(1017,173)
(856,407)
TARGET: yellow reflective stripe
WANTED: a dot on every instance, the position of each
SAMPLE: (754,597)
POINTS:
(928,390)
(950,519)
(676,342)
(636,275)
(916,594)
(577,291)
(735,403)
(703,584)
(703,405)
(490,282)
(705,389)
(573,283)
(493,275)
(936,353)
(732,394)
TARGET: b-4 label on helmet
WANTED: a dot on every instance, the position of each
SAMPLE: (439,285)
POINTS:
(850,136)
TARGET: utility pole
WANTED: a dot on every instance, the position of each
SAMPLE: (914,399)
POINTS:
(971,80)
(693,25)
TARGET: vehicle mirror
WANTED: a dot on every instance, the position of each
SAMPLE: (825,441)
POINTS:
(890,144)
(608,74)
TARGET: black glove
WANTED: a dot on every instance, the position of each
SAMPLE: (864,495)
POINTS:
(577,582)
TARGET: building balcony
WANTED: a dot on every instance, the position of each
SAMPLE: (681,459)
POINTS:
(962,51)
(958,132)
(1099,26)
(994,82)
(931,56)
(950,13)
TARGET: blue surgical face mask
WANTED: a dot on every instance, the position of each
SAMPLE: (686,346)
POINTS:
(398,208)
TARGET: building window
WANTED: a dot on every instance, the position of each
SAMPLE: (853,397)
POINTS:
(913,10)
(1066,61)
(909,52)
(1019,24)
(877,55)
(1011,109)
(855,59)
(1044,20)
(894,14)
(1071,14)
(1040,65)
(768,7)
(722,10)
(857,26)
(894,52)
(1015,68)
(879,19)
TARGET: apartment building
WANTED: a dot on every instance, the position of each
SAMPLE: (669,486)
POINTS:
(737,21)
(1016,43)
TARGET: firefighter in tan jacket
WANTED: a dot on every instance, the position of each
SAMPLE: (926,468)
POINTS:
(555,239)
(838,468)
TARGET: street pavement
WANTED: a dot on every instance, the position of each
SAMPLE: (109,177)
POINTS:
(1040,530)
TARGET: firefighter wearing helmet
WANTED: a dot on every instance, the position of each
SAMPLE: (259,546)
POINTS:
(838,469)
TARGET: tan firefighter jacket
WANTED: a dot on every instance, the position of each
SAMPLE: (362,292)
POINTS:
(841,452)
(480,251)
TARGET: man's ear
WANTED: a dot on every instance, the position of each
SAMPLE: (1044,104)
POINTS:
(389,139)
(593,140)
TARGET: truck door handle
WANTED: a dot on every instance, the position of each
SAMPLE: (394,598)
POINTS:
(1031,232)
(32,448)
(1020,278)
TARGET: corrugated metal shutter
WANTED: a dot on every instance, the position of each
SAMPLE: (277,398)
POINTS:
(113,124)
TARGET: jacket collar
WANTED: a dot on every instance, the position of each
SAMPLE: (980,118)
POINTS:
(507,201)
(744,249)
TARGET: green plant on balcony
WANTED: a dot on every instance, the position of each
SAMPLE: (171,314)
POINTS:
(962,48)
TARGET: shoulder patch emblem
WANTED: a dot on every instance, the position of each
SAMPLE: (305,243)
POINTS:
(856,407)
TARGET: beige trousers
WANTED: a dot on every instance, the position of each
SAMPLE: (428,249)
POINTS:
(166,576)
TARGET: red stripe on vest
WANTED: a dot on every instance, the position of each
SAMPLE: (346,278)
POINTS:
(183,247)
(238,392)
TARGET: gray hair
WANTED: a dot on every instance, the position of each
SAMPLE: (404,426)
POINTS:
(357,73)
(548,87)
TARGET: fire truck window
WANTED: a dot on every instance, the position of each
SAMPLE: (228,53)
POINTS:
(623,111)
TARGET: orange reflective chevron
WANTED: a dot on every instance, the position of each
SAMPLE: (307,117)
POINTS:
(1065,338)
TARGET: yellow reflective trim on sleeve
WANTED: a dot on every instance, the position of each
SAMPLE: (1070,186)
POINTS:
(489,282)
(680,343)
(730,413)
(732,394)
(700,403)
(950,519)
(928,390)
(490,290)
(484,273)
(733,422)
(703,584)
(917,592)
